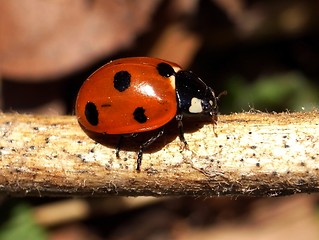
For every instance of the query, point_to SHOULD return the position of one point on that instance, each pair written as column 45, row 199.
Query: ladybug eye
column 207, row 106
column 165, row 70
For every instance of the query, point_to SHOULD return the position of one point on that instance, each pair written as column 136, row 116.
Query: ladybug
column 134, row 95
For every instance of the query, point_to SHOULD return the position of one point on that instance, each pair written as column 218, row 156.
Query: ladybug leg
column 179, row 118
column 120, row 143
column 144, row 145
column 118, row 146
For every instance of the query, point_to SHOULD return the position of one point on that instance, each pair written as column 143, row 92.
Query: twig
column 254, row 154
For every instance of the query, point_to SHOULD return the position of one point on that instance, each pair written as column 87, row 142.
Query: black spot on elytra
column 139, row 115
column 165, row 70
column 122, row 80
column 91, row 113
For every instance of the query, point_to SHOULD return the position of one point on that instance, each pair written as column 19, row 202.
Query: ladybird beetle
column 139, row 94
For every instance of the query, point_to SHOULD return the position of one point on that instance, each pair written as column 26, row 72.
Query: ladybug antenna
column 223, row 93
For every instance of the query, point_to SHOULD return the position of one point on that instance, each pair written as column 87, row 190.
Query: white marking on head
column 196, row 106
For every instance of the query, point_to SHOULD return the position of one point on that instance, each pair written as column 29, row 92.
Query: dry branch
column 254, row 154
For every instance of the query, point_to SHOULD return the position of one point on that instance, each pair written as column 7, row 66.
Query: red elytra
column 113, row 111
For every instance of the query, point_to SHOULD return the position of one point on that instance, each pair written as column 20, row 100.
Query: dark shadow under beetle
column 133, row 142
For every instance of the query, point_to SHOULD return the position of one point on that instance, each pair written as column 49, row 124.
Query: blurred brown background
column 264, row 53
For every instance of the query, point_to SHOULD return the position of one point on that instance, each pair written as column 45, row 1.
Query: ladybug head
column 209, row 103
column 194, row 96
